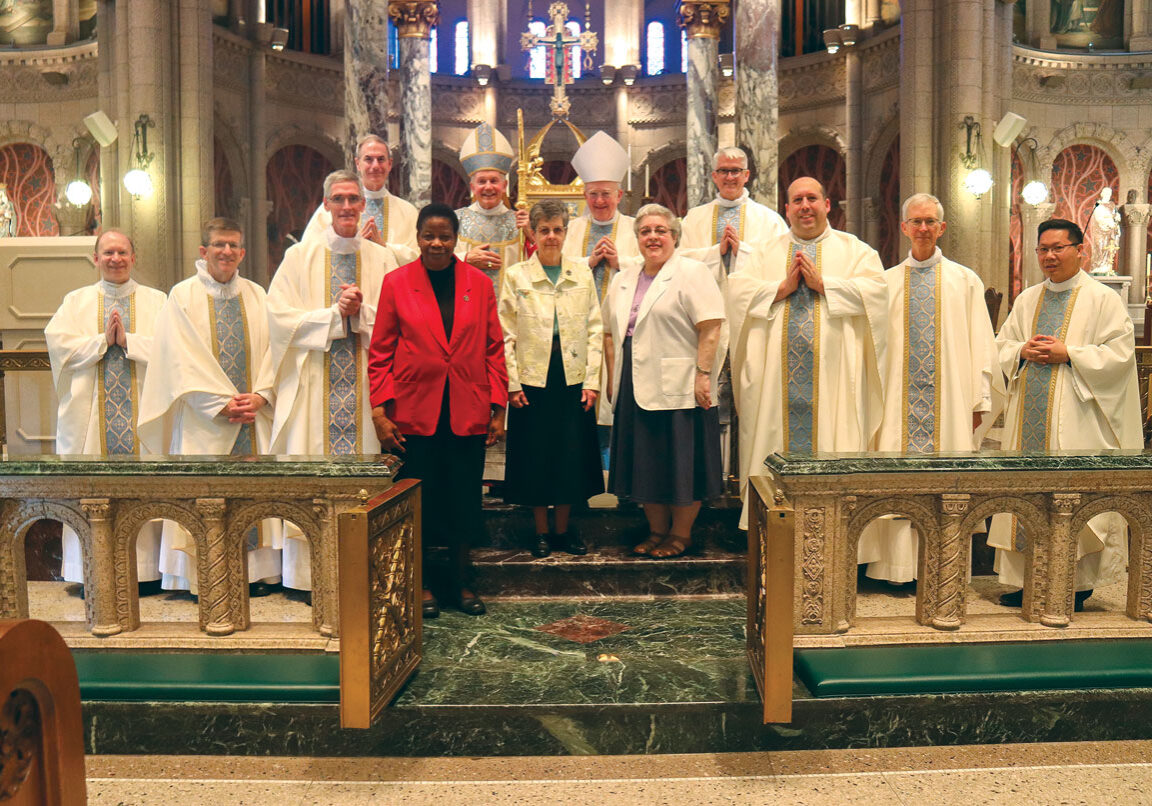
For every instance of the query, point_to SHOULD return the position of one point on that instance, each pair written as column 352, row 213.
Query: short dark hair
column 1075, row 234
column 438, row 210
column 220, row 224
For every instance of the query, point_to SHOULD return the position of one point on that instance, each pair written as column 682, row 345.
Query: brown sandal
column 674, row 545
column 645, row 549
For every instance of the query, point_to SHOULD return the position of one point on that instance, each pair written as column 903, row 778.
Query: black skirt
column 553, row 455
column 662, row 457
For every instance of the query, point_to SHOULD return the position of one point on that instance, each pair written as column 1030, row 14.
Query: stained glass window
column 463, row 57
column 655, row 44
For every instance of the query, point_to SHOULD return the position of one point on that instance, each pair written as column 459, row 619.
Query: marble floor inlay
column 583, row 629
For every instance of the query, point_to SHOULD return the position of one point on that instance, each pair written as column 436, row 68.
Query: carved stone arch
column 1134, row 511
column 234, row 151
column 1034, row 518
column 295, row 134
column 1126, row 155
column 921, row 514
column 449, row 156
column 17, row 518
column 876, row 147
column 245, row 516
column 816, row 134
column 659, row 157
column 25, row 131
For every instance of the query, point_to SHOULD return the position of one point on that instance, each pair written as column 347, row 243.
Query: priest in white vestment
column 211, row 378
column 1068, row 352
column 943, row 386
column 387, row 219
column 807, row 317
column 321, row 310
column 100, row 345
column 602, row 235
column 490, row 231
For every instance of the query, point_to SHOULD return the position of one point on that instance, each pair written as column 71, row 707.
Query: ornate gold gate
column 771, row 526
column 381, row 630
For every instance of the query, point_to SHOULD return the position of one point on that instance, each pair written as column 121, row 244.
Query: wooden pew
column 41, row 732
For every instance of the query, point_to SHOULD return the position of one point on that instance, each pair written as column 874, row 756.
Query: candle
column 647, row 178
column 629, row 167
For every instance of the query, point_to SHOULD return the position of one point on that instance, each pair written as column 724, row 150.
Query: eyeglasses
column 1041, row 251
column 916, row 223
column 233, row 245
column 730, row 171
column 342, row 199
column 657, row 231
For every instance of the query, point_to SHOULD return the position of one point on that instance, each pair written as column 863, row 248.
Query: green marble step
column 956, row 668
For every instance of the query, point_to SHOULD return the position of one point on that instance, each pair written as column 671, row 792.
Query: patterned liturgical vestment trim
column 498, row 231
column 600, row 273
column 377, row 209
column 721, row 218
column 118, row 381
column 921, row 358
column 230, row 343
column 801, row 360
column 1039, row 381
column 342, row 365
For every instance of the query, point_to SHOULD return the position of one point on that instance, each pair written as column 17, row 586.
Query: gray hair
column 341, row 175
column 547, row 210
column 371, row 138
column 922, row 198
column 732, row 153
column 662, row 212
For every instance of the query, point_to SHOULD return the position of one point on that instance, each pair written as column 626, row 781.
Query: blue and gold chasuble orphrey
column 498, row 231
column 721, row 218
column 921, row 431
column 1039, row 380
column 342, row 366
column 600, row 271
column 230, row 344
column 117, row 377
column 378, row 210
column 801, row 360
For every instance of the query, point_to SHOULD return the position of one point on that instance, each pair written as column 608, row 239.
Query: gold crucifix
column 558, row 42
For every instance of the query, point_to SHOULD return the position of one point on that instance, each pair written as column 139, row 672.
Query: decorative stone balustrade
column 830, row 498
column 217, row 499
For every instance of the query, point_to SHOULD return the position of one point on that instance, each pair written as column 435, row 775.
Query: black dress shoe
column 571, row 543
column 1081, row 596
column 430, row 608
column 148, row 588
column 258, row 589
column 472, row 605
column 542, row 547
column 1012, row 599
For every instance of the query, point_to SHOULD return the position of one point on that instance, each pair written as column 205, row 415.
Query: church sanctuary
column 575, row 401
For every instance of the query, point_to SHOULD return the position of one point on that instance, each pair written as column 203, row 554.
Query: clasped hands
column 802, row 268
column 350, row 299
column 242, row 407
column 604, row 252
column 114, row 332
column 1044, row 350
column 392, row 440
column 730, row 240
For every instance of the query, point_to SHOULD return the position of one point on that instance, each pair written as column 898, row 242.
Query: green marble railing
column 106, row 501
column 823, row 464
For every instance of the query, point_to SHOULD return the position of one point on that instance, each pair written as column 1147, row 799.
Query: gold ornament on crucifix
column 557, row 43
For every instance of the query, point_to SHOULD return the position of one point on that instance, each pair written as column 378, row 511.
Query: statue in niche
column 1080, row 24
column 7, row 214
column 1104, row 234
column 1067, row 16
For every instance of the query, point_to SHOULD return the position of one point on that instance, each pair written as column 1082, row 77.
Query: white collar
column 615, row 217
column 214, row 287
column 797, row 239
column 1071, row 282
column 499, row 209
column 722, row 202
column 932, row 260
column 341, row 245
column 382, row 193
column 124, row 289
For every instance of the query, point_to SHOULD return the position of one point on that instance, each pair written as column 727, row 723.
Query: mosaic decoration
column 295, row 176
column 25, row 22
column 1015, row 230
column 92, row 175
column 26, row 169
column 1079, row 173
column 889, row 207
column 823, row 163
column 225, row 201
column 448, row 186
column 669, row 185
column 558, row 172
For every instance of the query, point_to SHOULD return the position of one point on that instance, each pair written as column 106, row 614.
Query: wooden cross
column 558, row 42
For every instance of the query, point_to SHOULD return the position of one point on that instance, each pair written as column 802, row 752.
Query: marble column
column 366, row 98
column 702, row 21
column 65, row 22
column 1038, row 24
column 258, row 206
column 756, row 34
column 1140, row 38
column 870, row 215
column 194, row 131
column 854, row 151
column 1030, row 217
column 414, row 20
column 1135, row 260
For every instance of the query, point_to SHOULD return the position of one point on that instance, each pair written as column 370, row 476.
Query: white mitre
column 601, row 159
column 486, row 149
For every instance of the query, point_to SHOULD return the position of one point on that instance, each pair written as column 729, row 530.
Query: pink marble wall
column 295, row 176
column 1015, row 230
column 225, row 199
column 448, row 186
column 668, row 185
column 1079, row 173
column 890, row 245
column 826, row 165
column 26, row 169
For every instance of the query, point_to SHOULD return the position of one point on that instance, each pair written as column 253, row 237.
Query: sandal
column 645, row 549
column 673, row 546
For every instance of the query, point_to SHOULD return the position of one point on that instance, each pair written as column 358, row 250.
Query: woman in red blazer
column 439, row 388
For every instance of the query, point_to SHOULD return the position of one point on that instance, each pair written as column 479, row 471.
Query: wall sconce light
column 503, row 72
column 849, row 34
column 607, row 73
column 78, row 191
column 727, row 64
column 483, row 74
column 832, row 41
column 279, row 38
column 1035, row 192
column 979, row 181
column 629, row 72
column 262, row 33
column 137, row 181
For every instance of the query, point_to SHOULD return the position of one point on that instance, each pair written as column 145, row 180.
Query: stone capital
column 1136, row 215
column 702, row 18
column 414, row 19
column 1065, row 503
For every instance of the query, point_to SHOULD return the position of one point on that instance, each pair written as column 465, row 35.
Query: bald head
column 807, row 208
